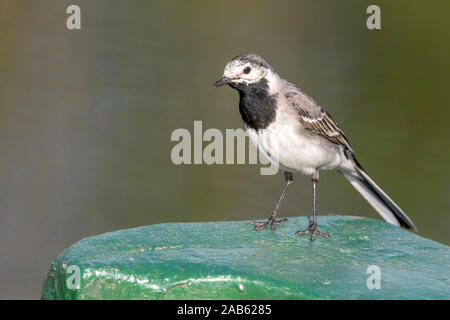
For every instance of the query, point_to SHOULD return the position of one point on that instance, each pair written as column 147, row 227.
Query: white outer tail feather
column 359, row 179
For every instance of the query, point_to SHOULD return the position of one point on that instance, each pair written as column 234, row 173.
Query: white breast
column 287, row 144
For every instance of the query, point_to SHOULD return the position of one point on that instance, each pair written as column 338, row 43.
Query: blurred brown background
column 86, row 116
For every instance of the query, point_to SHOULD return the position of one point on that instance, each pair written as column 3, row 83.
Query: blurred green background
column 86, row 116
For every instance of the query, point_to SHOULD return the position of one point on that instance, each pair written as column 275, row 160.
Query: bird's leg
column 313, row 224
column 272, row 221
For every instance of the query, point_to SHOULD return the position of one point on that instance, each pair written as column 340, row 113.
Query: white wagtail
column 307, row 138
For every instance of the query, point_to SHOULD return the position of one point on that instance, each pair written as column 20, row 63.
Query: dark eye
column 247, row 70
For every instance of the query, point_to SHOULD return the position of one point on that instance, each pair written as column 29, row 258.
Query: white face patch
column 244, row 72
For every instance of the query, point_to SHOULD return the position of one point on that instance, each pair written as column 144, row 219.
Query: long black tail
column 378, row 199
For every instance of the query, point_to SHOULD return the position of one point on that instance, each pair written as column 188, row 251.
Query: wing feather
column 324, row 126
column 314, row 118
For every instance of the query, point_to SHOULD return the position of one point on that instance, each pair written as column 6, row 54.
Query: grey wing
column 313, row 117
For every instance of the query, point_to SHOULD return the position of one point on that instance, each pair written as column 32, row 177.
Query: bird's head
column 244, row 70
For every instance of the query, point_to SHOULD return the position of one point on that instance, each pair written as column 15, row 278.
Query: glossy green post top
column 363, row 259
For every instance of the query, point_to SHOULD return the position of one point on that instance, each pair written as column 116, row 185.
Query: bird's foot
column 313, row 229
column 271, row 222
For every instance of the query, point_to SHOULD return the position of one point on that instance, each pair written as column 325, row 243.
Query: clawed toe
column 313, row 230
column 271, row 222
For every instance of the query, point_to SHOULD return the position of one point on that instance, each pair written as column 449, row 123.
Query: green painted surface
column 229, row 260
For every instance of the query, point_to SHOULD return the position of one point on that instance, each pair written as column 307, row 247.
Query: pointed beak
column 222, row 81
